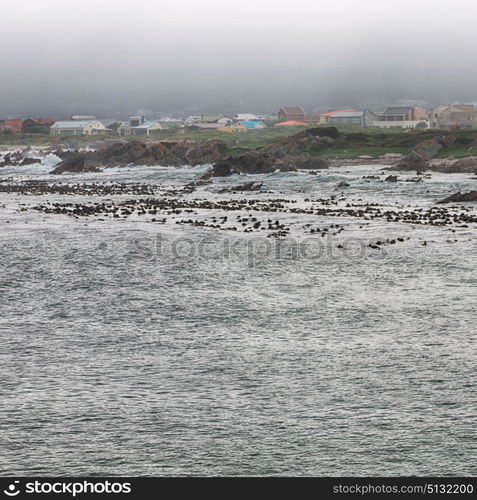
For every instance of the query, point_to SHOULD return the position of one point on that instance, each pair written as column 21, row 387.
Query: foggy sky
column 114, row 57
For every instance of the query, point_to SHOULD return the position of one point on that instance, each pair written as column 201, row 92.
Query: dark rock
column 118, row 154
column 342, row 184
column 460, row 197
column 17, row 159
column 245, row 164
column 429, row 148
column 418, row 158
column 79, row 162
column 29, row 161
column 7, row 161
column 391, row 178
column 463, row 165
column 138, row 153
column 189, row 153
column 248, row 186
column 412, row 161
column 302, row 142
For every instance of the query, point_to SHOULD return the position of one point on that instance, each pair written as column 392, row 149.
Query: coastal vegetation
column 349, row 141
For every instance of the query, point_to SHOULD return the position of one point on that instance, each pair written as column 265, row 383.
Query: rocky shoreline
column 291, row 153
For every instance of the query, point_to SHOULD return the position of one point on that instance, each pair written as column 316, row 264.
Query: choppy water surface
column 126, row 351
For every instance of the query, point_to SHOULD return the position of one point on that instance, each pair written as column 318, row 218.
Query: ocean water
column 136, row 348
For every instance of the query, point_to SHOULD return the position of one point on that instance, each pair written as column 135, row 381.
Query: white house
column 77, row 127
column 146, row 128
column 402, row 116
column 362, row 118
column 245, row 117
column 192, row 119
column 138, row 126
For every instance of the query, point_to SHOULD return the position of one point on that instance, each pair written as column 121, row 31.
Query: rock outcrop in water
column 17, row 159
column 247, row 186
column 455, row 165
column 253, row 163
column 121, row 154
column 418, row 158
column 118, row 154
column 201, row 153
column 301, row 143
column 460, row 197
column 78, row 162
column 412, row 161
column 287, row 154
column 422, row 157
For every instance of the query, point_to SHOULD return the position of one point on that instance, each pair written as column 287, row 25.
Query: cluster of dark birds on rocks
column 170, row 202
column 41, row 187
column 257, row 212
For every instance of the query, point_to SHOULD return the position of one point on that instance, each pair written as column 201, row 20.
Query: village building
column 170, row 121
column 323, row 117
column 361, row 118
column 77, row 127
column 243, row 126
column 252, row 124
column 205, row 126
column 192, row 119
column 242, row 117
column 291, row 113
column 401, row 116
column 10, row 125
column 37, row 125
column 220, row 119
column 137, row 125
column 454, row 116
column 146, row 127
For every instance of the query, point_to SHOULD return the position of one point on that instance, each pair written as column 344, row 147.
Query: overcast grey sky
column 114, row 56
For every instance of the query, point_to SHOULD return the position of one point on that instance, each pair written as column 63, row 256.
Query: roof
column 292, row 110
column 206, row 125
column 71, row 124
column 290, row 123
column 250, row 123
column 347, row 114
column 459, row 108
column 147, row 124
column 245, row 116
column 211, row 118
column 41, row 121
column 397, row 110
column 331, row 113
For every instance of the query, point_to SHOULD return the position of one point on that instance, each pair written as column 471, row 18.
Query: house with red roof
column 36, row 125
column 291, row 123
column 10, row 125
column 291, row 113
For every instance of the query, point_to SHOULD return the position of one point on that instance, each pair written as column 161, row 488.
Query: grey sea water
column 134, row 348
